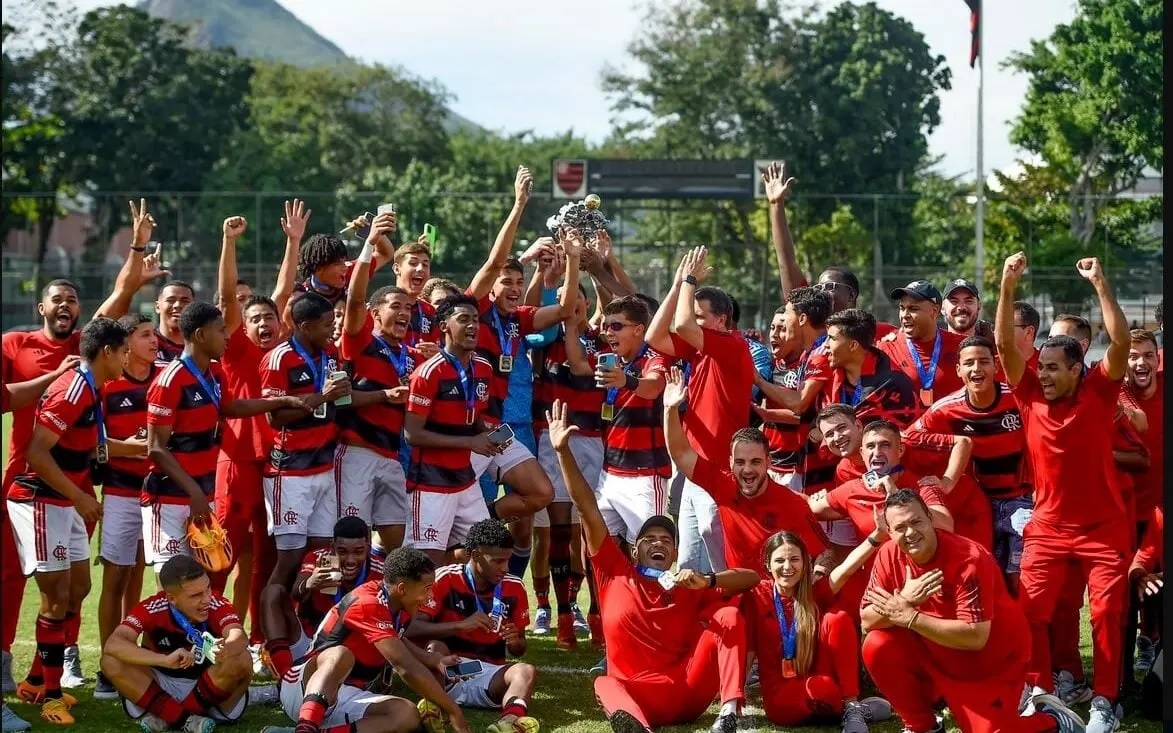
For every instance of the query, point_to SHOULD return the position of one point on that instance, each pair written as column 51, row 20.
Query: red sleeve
column 374, row 267
column 818, row 366
column 484, row 303
column 1148, row 555
column 309, row 563
column 711, row 477
column 609, row 563
column 236, row 348
column 371, row 620
column 932, row 496
column 11, row 347
column 520, row 615
column 422, row 391
column 975, row 592
column 930, row 431
column 525, row 319
column 139, row 620
column 824, row 595
column 683, row 349
column 352, row 346
column 1028, row 388
column 428, row 611
column 838, row 496
column 883, row 575
column 64, row 402
column 221, row 616
column 162, row 402
column 717, row 342
column 813, row 536
column 656, row 364
column 274, row 379
column 227, row 398
column 1103, row 387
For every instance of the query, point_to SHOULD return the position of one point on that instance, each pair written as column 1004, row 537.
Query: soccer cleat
column 210, row 545
column 198, row 724
column 524, row 724
column 595, row 621
column 566, row 637
column 263, row 695
column 600, row 668
column 431, row 717
column 580, row 623
column 7, row 683
column 151, row 723
column 876, row 709
column 35, row 694
column 623, row 722
column 55, row 711
column 1146, row 655
column 1103, row 718
column 11, row 722
column 262, row 664
column 103, row 690
column 542, row 622
column 71, row 674
column 1069, row 690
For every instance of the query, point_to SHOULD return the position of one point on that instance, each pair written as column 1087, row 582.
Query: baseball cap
column 962, row 284
column 658, row 521
column 919, row 290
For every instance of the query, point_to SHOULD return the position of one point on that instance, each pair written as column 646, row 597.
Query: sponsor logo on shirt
column 421, row 400
column 55, row 420
column 159, row 410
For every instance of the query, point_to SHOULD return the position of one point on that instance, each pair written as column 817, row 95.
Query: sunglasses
column 616, row 326
column 829, row 287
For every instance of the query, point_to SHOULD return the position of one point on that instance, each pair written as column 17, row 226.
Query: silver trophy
column 584, row 216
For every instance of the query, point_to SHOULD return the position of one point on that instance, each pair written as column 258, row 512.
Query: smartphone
column 331, row 562
column 386, row 209
column 344, row 400
column 608, row 361
column 430, row 233
column 469, row 668
column 501, row 435
column 365, row 231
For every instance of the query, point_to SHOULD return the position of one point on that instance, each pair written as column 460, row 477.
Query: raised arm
column 482, row 282
column 612, row 265
column 777, row 189
column 684, row 323
column 576, row 355
column 1013, row 362
column 1115, row 324
column 683, row 456
column 138, row 269
column 294, row 222
column 234, row 226
column 550, row 315
column 355, row 316
column 659, row 334
column 594, row 528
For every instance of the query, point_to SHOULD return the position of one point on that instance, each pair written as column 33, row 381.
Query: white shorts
column 626, row 502
column 301, row 647
column 179, row 688
column 299, row 507
column 350, row 707
column 165, row 531
column 840, row 532
column 49, row 538
column 789, row 479
column 474, row 691
column 514, row 454
column 370, row 486
column 439, row 521
column 122, row 530
column 588, row 454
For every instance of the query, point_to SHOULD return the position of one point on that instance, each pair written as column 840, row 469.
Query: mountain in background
column 260, row 29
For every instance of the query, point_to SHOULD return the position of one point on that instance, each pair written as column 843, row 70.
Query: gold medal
column 788, row 670
column 320, row 411
column 926, row 397
column 608, row 411
column 505, row 364
column 470, row 416
column 103, row 453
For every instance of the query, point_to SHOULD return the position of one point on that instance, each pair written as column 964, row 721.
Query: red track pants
column 819, row 695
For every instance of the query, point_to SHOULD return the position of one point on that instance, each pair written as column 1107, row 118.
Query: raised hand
column 560, row 429
column 142, row 223
column 523, row 184
column 153, row 268
column 542, row 247
column 603, row 243
column 234, row 226
column 675, row 390
column 694, row 263
column 1015, row 266
column 381, row 227
column 296, row 218
column 1090, row 269
column 572, row 244
column 777, row 184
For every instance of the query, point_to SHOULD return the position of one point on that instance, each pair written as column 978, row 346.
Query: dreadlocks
column 321, row 250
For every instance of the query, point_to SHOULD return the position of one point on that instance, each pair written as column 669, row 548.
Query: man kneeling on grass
column 479, row 612
column 193, row 667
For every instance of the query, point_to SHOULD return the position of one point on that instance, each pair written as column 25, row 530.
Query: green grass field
column 564, row 701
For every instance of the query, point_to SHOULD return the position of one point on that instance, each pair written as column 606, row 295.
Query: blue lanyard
column 807, row 357
column 649, row 572
column 415, row 333
column 322, row 288
column 857, row 395
column 318, row 371
column 498, row 604
column 613, row 392
column 212, row 390
column 687, row 372
column 194, row 636
column 788, row 630
column 505, row 341
column 927, row 376
column 362, row 578
column 400, row 362
column 99, row 416
column 465, row 381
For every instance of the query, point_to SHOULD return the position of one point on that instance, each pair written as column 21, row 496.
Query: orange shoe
column 210, row 545
column 35, row 694
column 57, row 712
column 566, row 637
column 596, row 623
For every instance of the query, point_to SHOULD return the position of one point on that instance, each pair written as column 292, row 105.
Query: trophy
column 584, row 216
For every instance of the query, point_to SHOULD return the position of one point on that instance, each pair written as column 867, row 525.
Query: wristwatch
column 873, row 542
column 712, row 579
column 690, row 280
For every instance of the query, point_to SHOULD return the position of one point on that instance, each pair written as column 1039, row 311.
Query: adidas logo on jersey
column 126, row 402
column 967, row 429
column 302, row 377
column 197, row 397
column 455, row 391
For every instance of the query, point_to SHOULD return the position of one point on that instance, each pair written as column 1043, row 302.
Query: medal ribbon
column 807, row 357
column 506, row 342
column 317, row 371
column 415, row 332
column 927, row 376
column 789, row 631
column 649, row 572
column 400, row 361
column 857, row 394
column 498, row 604
column 210, row 389
column 195, row 636
column 465, row 381
column 99, row 415
column 613, row 392
column 362, row 578
column 322, row 288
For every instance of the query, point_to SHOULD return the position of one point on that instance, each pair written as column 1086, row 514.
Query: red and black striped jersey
column 168, row 350
column 491, row 346
column 176, row 399
column 882, row 393
column 422, row 326
column 785, row 438
column 67, row 410
column 553, row 380
column 374, row 365
column 437, row 396
column 154, row 620
column 314, row 607
column 900, row 351
column 360, row 620
column 999, row 443
column 453, row 601
column 124, row 404
column 245, row 438
column 633, row 441
column 304, row 447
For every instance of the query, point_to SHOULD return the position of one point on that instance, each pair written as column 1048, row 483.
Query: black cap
column 661, row 521
column 962, row 284
column 920, row 290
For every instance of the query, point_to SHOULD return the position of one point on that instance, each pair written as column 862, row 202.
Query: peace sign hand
column 142, row 223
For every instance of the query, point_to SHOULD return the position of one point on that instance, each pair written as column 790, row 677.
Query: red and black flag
column 975, row 29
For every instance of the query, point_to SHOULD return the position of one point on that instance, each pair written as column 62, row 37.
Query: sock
column 51, row 649
column 575, row 585
column 159, row 703
column 519, row 561
column 560, row 565
column 72, row 625
column 36, row 675
column 515, row 706
column 731, row 707
column 542, row 591
column 208, row 692
column 312, row 713
column 282, row 658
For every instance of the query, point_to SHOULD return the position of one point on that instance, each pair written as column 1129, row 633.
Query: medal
column 789, row 633
column 497, row 611
column 466, row 387
column 318, row 373
column 103, row 453
column 608, row 412
column 788, row 670
column 613, row 392
column 927, row 375
column 398, row 361
column 667, row 581
column 320, row 411
column 926, row 397
column 505, row 364
column 103, row 450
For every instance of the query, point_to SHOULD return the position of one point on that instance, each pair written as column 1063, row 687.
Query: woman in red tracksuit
column 808, row 655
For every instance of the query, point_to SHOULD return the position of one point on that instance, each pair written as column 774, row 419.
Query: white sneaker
column 262, row 695
column 198, row 724
column 1103, row 718
column 1070, row 691
column 1065, row 718
column 151, row 723
column 542, row 622
column 260, row 669
column 13, row 723
column 71, row 675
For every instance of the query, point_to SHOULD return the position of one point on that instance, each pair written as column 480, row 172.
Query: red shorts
column 240, row 499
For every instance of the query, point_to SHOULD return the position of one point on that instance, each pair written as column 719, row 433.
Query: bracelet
column 138, row 249
column 872, row 542
column 712, row 579
column 690, row 280
column 915, row 616
column 632, row 383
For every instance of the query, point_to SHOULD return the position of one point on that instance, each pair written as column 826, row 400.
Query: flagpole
column 980, row 248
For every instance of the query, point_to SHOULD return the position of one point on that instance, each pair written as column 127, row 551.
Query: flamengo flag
column 975, row 29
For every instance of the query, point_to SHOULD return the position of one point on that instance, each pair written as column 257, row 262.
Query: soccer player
column 185, row 410
column 192, row 667
column 290, row 619
column 172, row 300
column 52, row 498
column 721, row 372
column 437, row 289
column 925, row 353
column 1146, row 576
column 673, row 642
column 962, row 309
column 322, row 263
column 447, row 394
column 358, row 639
column 479, row 612
column 752, row 505
column 863, row 376
column 1065, row 414
column 808, row 652
column 413, row 269
column 300, row 492
column 635, row 458
column 371, row 481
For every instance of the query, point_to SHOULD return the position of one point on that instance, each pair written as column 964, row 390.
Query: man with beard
column 925, row 353
column 751, row 505
column 673, row 642
column 1079, row 512
column 962, row 309
column 371, row 481
column 940, row 625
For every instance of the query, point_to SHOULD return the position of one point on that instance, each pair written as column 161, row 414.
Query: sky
column 536, row 64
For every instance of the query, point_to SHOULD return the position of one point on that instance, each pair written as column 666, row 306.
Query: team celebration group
column 917, row 510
